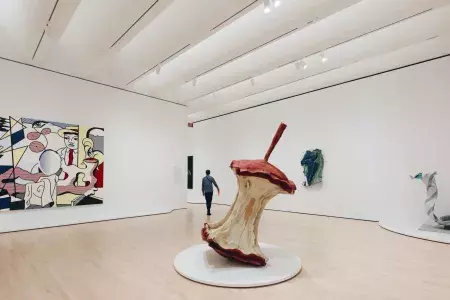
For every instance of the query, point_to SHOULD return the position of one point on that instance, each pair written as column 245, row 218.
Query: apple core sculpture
column 236, row 235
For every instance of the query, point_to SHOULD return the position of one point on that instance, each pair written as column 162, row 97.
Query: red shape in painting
column 46, row 131
column 33, row 135
column 98, row 173
column 37, row 147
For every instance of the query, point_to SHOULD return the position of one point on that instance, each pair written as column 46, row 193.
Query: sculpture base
column 438, row 236
column 202, row 264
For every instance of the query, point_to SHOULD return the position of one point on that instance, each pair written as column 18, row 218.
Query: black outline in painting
column 12, row 156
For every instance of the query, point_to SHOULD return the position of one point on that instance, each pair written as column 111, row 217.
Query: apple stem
column 275, row 140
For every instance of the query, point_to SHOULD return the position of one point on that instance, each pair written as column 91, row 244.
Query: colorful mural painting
column 49, row 164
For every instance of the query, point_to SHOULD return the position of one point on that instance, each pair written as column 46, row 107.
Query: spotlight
column 300, row 64
column 252, row 81
column 194, row 82
column 158, row 69
column 323, row 57
column 277, row 3
column 267, row 6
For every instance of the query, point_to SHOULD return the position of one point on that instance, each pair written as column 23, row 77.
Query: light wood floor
column 132, row 259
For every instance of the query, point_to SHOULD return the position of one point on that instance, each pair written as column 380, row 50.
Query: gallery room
column 224, row 149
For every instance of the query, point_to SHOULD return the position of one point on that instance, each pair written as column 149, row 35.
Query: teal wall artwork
column 312, row 163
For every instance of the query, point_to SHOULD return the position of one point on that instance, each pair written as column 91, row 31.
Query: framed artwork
column 190, row 179
column 47, row 164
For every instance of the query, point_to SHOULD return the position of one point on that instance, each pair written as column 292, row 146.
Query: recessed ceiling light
column 304, row 65
column 267, row 6
column 277, row 3
column 300, row 64
column 314, row 20
column 323, row 57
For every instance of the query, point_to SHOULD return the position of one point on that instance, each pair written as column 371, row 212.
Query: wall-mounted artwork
column 312, row 163
column 435, row 223
column 47, row 164
column 190, row 181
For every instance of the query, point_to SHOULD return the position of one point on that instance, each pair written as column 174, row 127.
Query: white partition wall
column 144, row 144
column 373, row 132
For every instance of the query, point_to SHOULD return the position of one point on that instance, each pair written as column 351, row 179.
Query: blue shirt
column 207, row 184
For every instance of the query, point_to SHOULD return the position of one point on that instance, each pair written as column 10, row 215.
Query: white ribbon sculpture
column 430, row 202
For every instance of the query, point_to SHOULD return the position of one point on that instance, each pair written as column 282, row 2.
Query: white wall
column 144, row 144
column 373, row 132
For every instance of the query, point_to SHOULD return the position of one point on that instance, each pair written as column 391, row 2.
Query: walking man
column 207, row 189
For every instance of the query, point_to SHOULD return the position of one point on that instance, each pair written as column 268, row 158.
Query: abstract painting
column 47, row 164
column 435, row 223
column 312, row 163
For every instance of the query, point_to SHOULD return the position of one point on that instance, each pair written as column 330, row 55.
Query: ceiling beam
column 315, row 53
column 326, row 87
column 233, row 16
column 43, row 32
column 135, row 22
column 245, row 53
column 160, row 63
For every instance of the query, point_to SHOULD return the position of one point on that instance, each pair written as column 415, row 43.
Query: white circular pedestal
column 440, row 237
column 202, row 264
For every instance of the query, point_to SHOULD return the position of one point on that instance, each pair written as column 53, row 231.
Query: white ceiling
column 237, row 56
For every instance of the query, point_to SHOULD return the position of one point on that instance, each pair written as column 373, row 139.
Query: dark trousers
column 208, row 198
